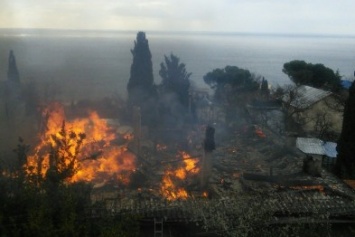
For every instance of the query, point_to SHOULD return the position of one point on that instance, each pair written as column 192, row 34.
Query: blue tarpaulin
column 346, row 84
column 330, row 149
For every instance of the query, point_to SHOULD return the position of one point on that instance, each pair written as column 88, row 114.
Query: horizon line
column 191, row 32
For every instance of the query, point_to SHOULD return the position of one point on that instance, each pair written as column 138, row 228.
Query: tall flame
column 97, row 159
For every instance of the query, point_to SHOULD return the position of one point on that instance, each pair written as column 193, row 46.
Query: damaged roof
column 312, row 146
column 315, row 146
column 305, row 96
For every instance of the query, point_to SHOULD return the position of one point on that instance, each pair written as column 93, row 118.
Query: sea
column 96, row 64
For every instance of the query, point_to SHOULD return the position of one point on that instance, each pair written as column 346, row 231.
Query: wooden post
column 137, row 129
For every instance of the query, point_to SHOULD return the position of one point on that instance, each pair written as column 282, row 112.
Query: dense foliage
column 315, row 75
column 345, row 166
column 231, row 82
column 175, row 78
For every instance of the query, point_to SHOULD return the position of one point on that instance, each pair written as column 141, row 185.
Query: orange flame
column 97, row 159
column 190, row 164
column 170, row 187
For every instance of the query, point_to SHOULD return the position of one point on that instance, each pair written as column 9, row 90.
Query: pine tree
column 12, row 72
column 345, row 166
column 141, row 82
column 175, row 79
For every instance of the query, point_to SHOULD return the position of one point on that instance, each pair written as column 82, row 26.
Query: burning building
column 162, row 183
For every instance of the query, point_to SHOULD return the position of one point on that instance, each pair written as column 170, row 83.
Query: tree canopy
column 175, row 78
column 315, row 75
column 346, row 145
column 231, row 79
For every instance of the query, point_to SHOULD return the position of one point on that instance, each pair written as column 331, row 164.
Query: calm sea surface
column 97, row 64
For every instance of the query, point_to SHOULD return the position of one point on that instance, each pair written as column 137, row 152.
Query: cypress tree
column 141, row 82
column 12, row 72
column 141, row 89
column 13, row 90
column 345, row 165
column 265, row 88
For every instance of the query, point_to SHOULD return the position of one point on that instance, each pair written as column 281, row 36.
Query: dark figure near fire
column 206, row 162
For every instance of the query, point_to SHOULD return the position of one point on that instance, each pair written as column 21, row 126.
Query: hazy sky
column 270, row 16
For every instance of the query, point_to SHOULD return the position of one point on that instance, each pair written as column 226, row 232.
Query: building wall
column 316, row 112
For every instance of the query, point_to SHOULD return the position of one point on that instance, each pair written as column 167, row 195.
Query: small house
column 321, row 151
column 314, row 109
